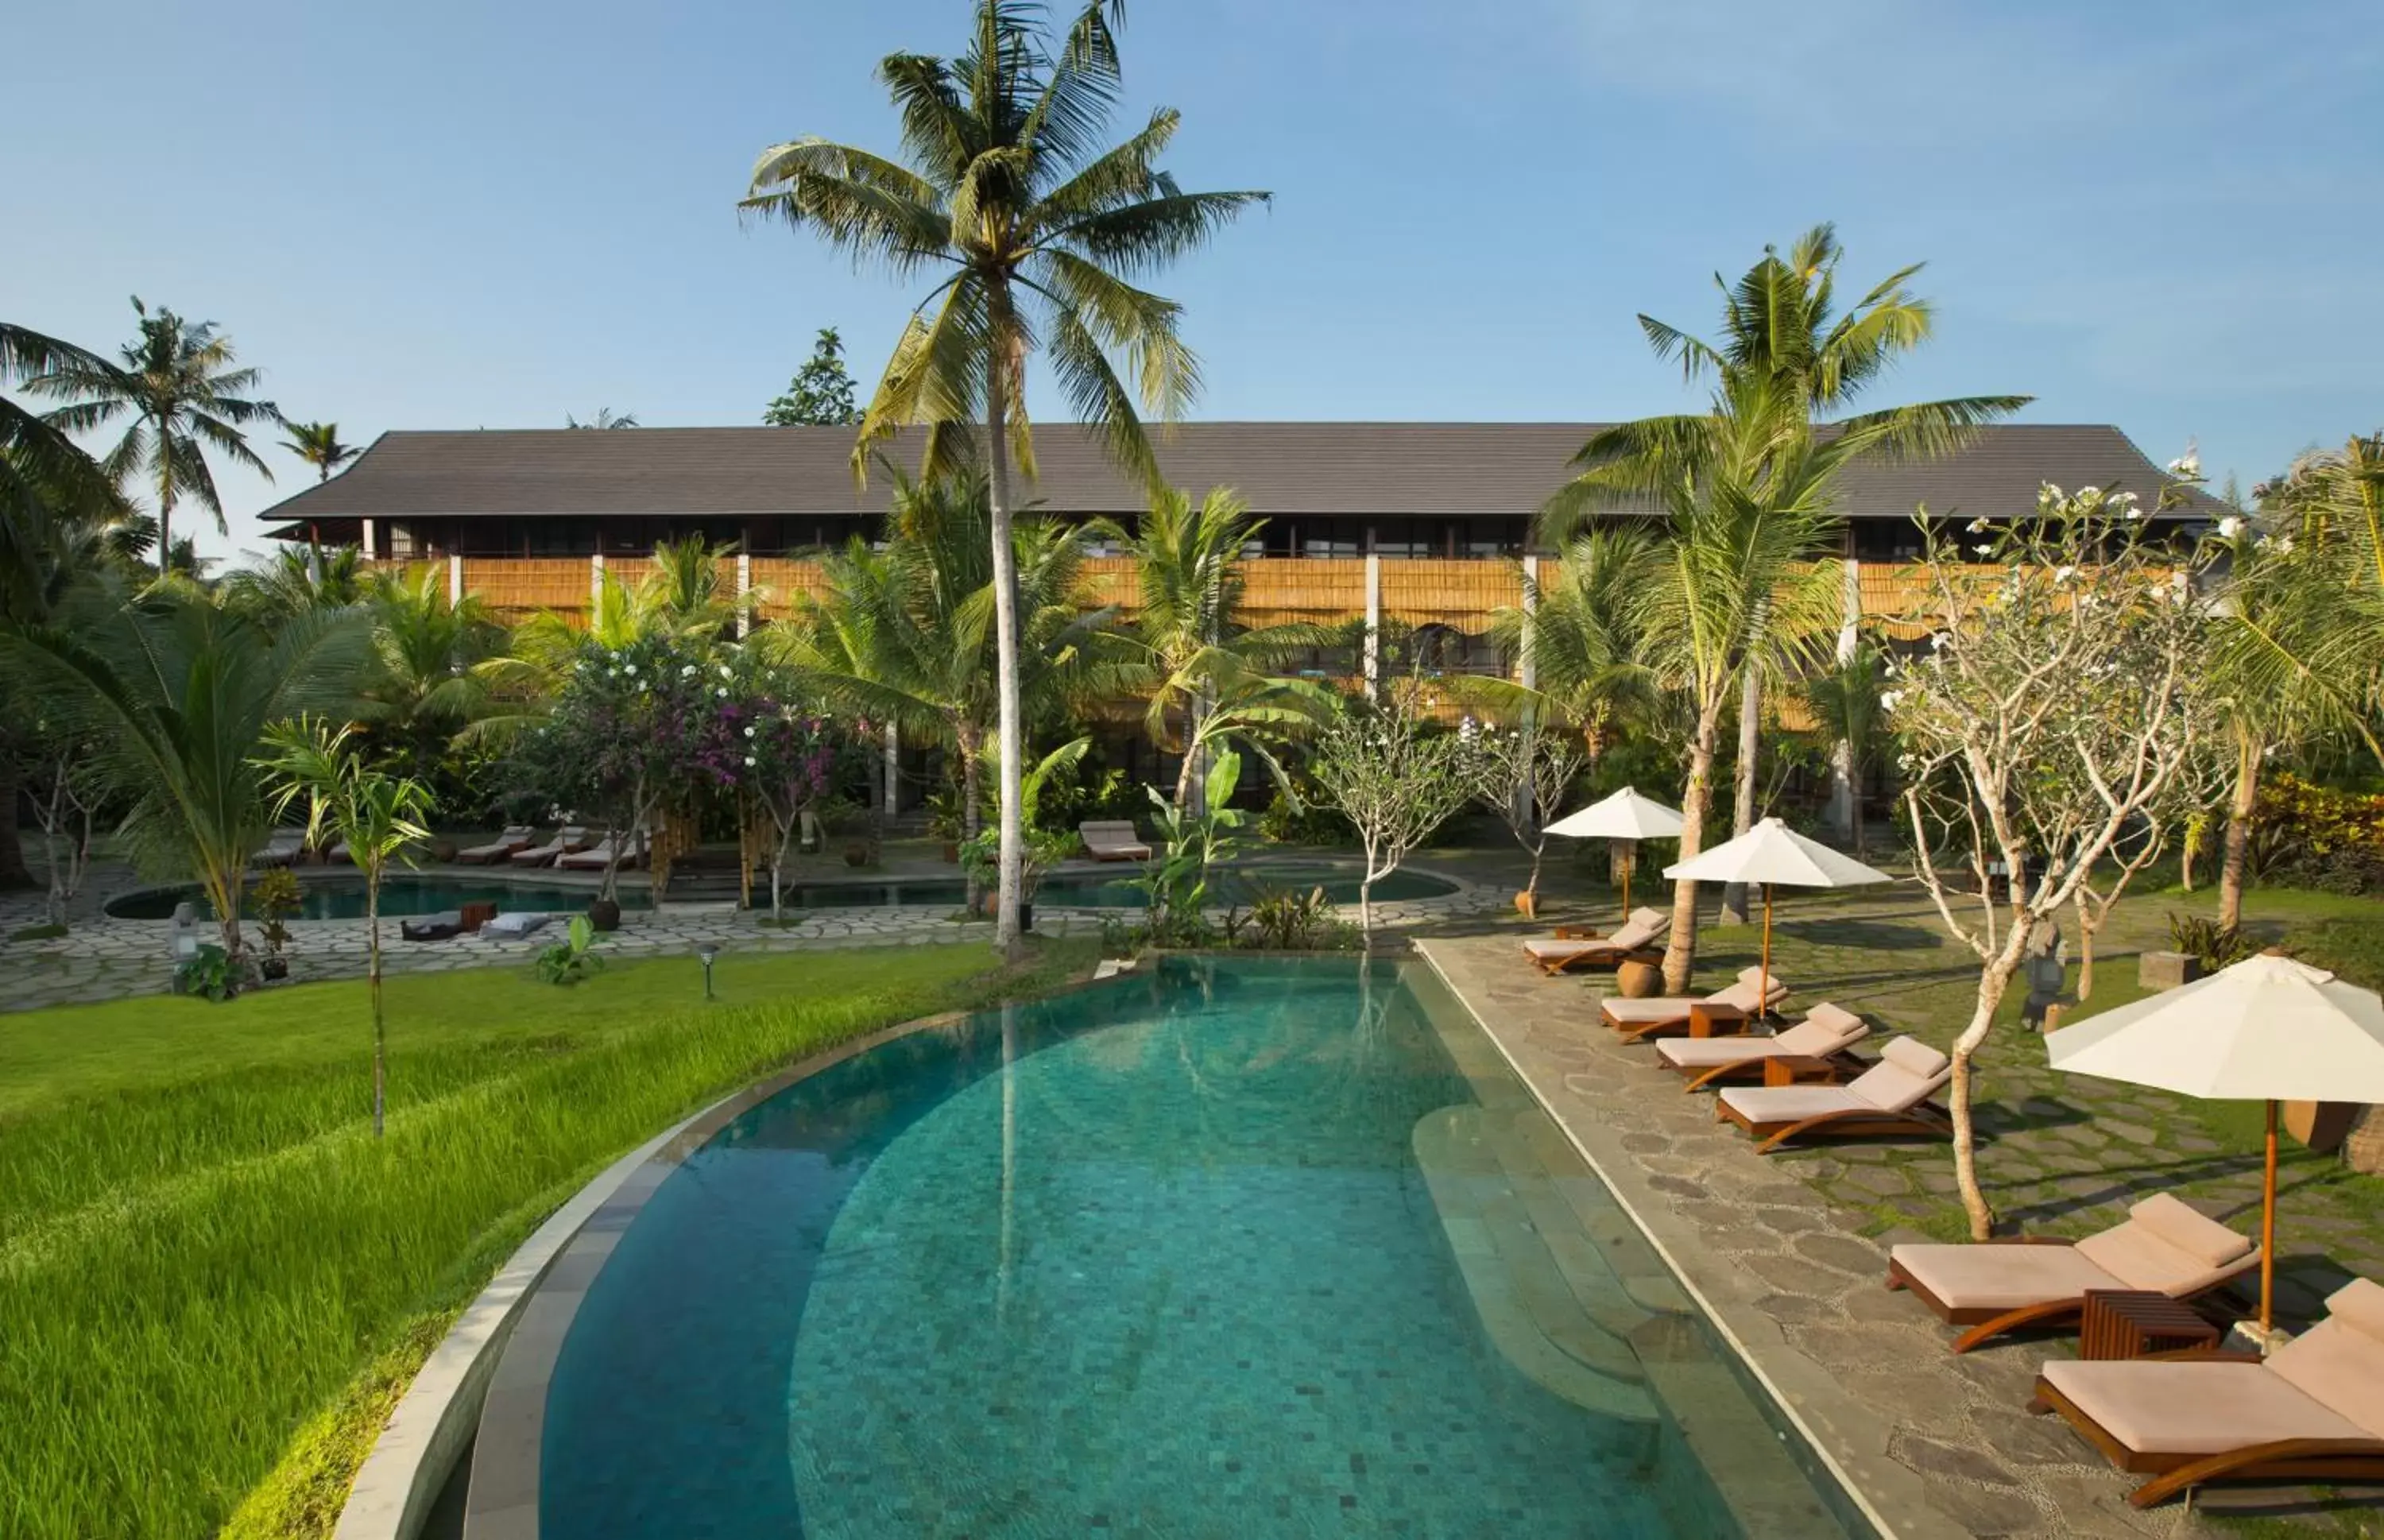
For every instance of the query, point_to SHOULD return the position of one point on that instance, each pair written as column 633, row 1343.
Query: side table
column 1800, row 1069
column 1707, row 1019
column 2130, row 1323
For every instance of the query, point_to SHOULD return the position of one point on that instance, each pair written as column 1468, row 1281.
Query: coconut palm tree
column 2327, row 513
column 294, row 580
column 605, row 418
column 1206, row 673
column 1845, row 702
column 318, row 444
column 906, row 634
column 1578, row 628
column 42, row 470
column 1781, row 323
column 179, row 385
column 177, row 693
column 424, row 683
column 1037, row 231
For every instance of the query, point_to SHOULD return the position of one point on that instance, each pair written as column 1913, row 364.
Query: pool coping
column 503, row 1500
column 1763, row 1368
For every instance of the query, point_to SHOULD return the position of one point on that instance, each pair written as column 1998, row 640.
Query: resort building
column 1422, row 524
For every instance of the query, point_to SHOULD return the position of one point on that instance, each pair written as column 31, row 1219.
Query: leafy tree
column 1524, row 774
column 178, row 384
column 297, row 580
column 1192, row 843
column 177, row 694
column 2055, row 710
column 1579, row 628
column 762, row 740
column 318, row 444
column 1382, row 768
column 1046, row 847
column 605, row 418
column 821, row 394
column 378, row 816
column 424, row 684
column 2329, row 544
column 1036, row 230
column 2264, row 708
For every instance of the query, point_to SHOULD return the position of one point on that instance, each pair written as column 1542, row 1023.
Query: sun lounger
column 1641, row 938
column 1826, row 1031
column 2311, row 1411
column 432, row 928
column 572, row 837
column 1636, row 1019
column 1887, row 1100
column 2162, row 1246
column 596, row 857
column 515, row 839
column 282, row 848
column 512, row 928
column 1113, row 840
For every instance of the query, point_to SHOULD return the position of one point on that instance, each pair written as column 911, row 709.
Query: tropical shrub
column 1288, row 920
column 573, row 958
column 273, row 900
column 2208, row 942
column 1176, row 885
column 211, row 972
column 2306, row 835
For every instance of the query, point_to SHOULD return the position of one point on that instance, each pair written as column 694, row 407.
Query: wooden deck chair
column 1826, row 1031
column 2311, row 1411
column 517, row 837
column 1888, row 1100
column 1640, row 1019
column 1113, row 840
column 1639, row 938
column 572, row 837
column 2163, row 1246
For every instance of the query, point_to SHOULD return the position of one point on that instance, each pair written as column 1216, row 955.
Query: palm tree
column 1845, row 702
column 423, row 684
column 40, row 467
column 2329, row 652
column 1207, row 674
column 904, row 634
column 1036, row 230
column 605, row 418
column 375, row 815
column 1578, row 628
column 178, row 693
column 180, row 387
column 1780, row 322
column 318, row 444
column 296, row 581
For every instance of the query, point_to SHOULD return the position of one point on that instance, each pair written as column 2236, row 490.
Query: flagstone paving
column 1791, row 1250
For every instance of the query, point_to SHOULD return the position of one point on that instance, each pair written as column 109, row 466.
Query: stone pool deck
column 1936, row 1444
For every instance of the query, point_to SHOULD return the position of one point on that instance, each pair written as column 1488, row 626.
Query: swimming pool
column 1235, row 1247
column 1101, row 890
column 339, row 899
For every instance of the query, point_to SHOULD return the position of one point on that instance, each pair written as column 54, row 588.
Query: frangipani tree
column 776, row 749
column 378, row 816
column 1523, row 774
column 2053, row 712
column 1383, row 767
column 1035, row 231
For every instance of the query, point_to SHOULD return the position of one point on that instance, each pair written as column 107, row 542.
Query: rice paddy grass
column 212, row 1278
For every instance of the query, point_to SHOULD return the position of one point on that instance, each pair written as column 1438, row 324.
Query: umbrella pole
column 1630, row 859
column 1763, row 990
column 2268, row 1229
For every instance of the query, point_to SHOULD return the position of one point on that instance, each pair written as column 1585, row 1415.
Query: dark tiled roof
column 1285, row 468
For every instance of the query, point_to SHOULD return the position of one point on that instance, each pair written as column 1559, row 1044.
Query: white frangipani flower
column 2229, row 527
column 2063, row 575
column 1976, row 526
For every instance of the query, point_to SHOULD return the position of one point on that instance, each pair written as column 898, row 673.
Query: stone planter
column 272, row 966
column 2167, row 970
column 2363, row 1150
column 856, row 855
column 2322, row 1126
column 604, row 913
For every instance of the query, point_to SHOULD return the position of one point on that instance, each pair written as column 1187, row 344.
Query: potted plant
column 604, row 913
column 275, row 898
column 944, row 820
column 1045, row 848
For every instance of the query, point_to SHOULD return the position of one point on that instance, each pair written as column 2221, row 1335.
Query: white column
column 744, row 587
column 1373, row 623
column 455, row 579
column 372, row 546
column 595, row 580
column 1841, row 811
column 893, row 770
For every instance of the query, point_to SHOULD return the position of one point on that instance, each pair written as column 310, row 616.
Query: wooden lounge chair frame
column 1926, row 1119
column 1987, row 1323
column 2281, row 1459
column 1751, row 1068
column 1590, row 959
column 1639, row 1032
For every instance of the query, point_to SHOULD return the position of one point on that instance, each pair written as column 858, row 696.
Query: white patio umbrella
column 1625, row 816
column 2267, row 1029
column 1772, row 853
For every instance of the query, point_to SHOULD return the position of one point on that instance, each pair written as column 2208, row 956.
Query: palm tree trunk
column 1681, row 951
column 372, row 972
column 1005, row 638
column 2239, row 830
column 1741, row 818
column 972, row 802
column 13, row 872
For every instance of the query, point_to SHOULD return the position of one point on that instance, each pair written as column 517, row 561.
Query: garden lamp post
column 704, row 954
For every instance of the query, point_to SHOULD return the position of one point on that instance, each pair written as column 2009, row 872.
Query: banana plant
column 1177, row 884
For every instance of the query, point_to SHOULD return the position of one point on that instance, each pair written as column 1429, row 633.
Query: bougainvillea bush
column 776, row 750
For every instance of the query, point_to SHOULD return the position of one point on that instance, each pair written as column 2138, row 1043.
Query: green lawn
column 213, row 1280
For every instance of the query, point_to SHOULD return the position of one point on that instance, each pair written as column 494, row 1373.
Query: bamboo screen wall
column 518, row 588
column 1318, row 590
column 1458, row 593
column 782, row 583
column 1111, row 581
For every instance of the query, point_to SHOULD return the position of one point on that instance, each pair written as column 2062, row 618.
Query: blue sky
column 455, row 215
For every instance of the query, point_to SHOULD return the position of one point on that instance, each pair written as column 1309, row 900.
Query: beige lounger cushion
column 2185, row 1408
column 1908, row 1072
column 2340, row 1362
column 1816, row 1037
column 2165, row 1245
column 1794, row 1103
column 1541, row 947
column 2001, row 1277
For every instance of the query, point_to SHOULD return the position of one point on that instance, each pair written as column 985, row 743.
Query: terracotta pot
column 1527, row 905
column 273, row 965
column 604, row 913
column 856, row 855
column 2322, row 1126
column 952, row 851
column 1639, row 980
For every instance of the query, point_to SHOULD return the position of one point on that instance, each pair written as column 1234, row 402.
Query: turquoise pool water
column 399, row 896
column 1213, row 1253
